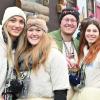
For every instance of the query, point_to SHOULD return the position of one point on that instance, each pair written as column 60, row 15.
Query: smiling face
column 34, row 35
column 91, row 34
column 15, row 26
column 68, row 24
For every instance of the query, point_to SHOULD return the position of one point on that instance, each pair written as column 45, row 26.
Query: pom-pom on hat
column 69, row 10
column 12, row 11
column 37, row 20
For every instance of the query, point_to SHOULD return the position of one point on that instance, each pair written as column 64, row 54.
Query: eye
column 67, row 20
column 21, row 21
column 12, row 20
column 72, row 20
column 88, row 30
column 94, row 30
column 30, row 30
column 38, row 30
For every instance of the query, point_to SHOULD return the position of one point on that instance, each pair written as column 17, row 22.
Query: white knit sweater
column 3, row 62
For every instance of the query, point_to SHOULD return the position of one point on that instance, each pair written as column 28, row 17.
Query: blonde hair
column 10, row 56
column 9, row 48
column 38, row 54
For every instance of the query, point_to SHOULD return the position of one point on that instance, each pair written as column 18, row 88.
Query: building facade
column 52, row 8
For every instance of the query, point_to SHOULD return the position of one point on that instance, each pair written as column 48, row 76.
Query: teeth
column 33, row 38
column 92, row 37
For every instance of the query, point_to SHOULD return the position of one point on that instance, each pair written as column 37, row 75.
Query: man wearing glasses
column 68, row 20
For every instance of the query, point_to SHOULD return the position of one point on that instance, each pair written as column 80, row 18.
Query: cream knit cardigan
column 3, row 62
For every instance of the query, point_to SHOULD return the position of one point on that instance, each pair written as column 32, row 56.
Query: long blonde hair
column 10, row 56
column 38, row 54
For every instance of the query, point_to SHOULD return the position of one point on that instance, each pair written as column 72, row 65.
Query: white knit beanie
column 12, row 11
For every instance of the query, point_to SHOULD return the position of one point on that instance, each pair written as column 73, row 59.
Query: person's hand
column 72, row 65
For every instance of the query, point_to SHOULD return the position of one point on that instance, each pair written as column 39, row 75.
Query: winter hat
column 12, row 11
column 69, row 10
column 37, row 21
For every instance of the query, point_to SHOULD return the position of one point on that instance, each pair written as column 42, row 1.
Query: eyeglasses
column 71, row 20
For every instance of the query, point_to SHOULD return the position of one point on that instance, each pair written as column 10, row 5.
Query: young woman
column 89, row 59
column 12, row 28
column 40, row 62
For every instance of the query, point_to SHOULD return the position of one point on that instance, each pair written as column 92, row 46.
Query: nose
column 91, row 32
column 17, row 24
column 34, row 32
column 69, row 22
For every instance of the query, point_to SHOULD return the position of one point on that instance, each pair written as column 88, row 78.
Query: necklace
column 71, row 57
column 69, row 50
